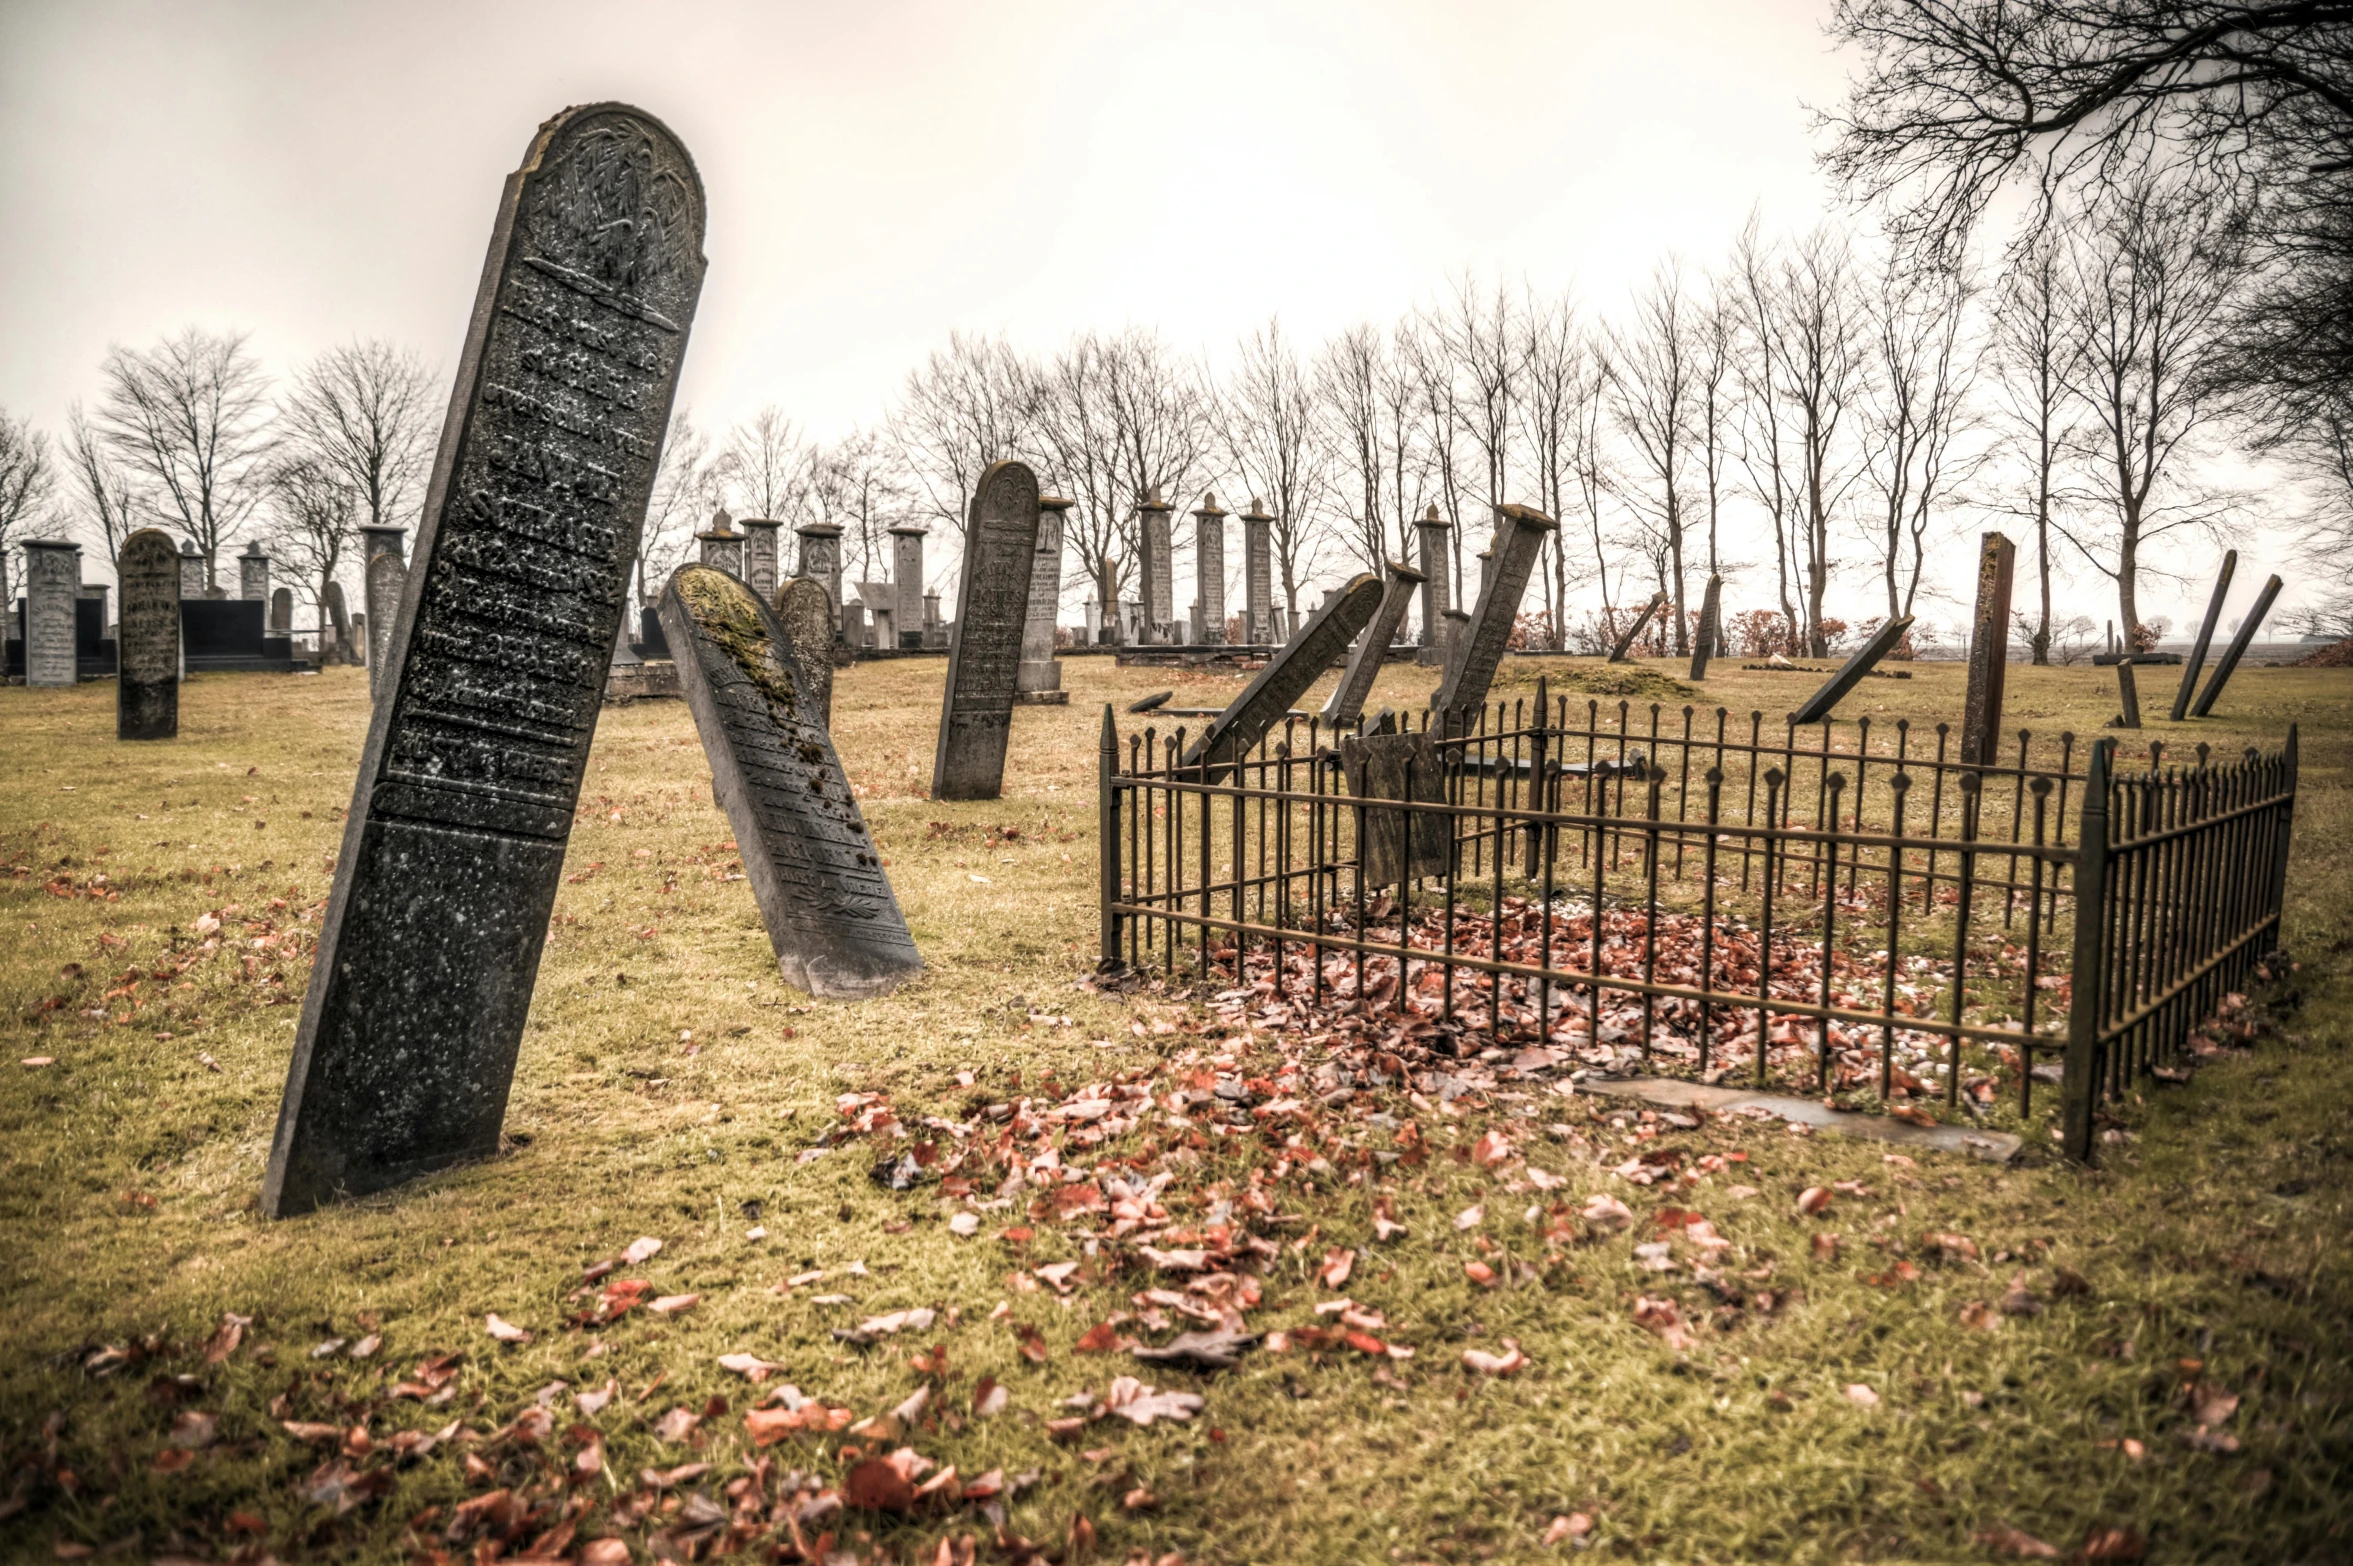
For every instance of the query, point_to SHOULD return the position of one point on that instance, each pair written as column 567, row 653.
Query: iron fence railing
column 1846, row 909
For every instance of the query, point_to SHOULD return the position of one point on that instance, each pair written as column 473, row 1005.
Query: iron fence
column 1846, row 909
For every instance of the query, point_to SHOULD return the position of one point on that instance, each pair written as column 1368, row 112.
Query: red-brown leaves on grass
column 1813, row 1201
column 1338, row 1264
column 1102, row 1338
column 876, row 1485
column 2006, row 1540
column 2113, row 1544
column 1663, row 1317
column 226, row 1337
column 1502, row 1364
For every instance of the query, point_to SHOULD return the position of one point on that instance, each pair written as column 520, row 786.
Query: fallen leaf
column 749, row 1366
column 1139, row 1404
column 1813, row 1200
column 1102, row 1338
column 964, row 1225
column 1338, row 1264
column 1219, row 1350
column 1481, row 1274
column 1502, row 1364
column 1662, row 1317
column 1606, row 1214
column 2113, row 1544
column 1860, row 1395
column 226, row 1337
column 1491, row 1149
column 1470, row 1217
column 505, row 1332
column 877, row 1486
column 641, row 1250
column 672, row 1304
column 989, row 1398
column 1574, row 1526
column 2014, row 1541
column 1980, row 1315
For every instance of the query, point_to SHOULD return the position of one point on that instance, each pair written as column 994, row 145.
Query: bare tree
column 1818, row 365
column 1654, row 402
column 1561, row 376
column 1765, row 445
column 364, row 412
column 970, row 404
column 1123, row 420
column 1715, row 350
column 1348, row 375
column 192, row 414
column 761, row 461
column 1272, row 430
column 314, row 520
column 1479, row 332
column 105, row 498
column 2149, row 286
column 1921, row 374
column 2033, row 356
column 27, row 476
column 858, row 483
column 687, row 488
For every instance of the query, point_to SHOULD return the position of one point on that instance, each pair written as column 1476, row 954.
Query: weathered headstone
column 338, row 628
column 1625, row 643
column 359, row 640
column 466, row 791
column 2197, row 658
column 813, row 867
column 1989, row 653
column 992, row 606
column 1397, row 845
column 1159, row 572
column 821, row 557
column 722, row 545
column 147, row 690
column 53, row 579
column 1264, row 702
column 2237, row 649
column 1372, row 648
column 804, row 610
column 1209, row 571
column 1850, row 673
column 1711, row 627
column 281, row 611
column 1520, row 533
column 759, row 555
column 2128, row 692
column 1258, row 576
column 387, row 576
column 1431, row 530
column 1039, row 678
column 907, row 584
column 191, row 570
column 253, row 573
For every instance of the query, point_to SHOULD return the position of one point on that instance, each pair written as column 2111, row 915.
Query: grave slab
column 984, row 659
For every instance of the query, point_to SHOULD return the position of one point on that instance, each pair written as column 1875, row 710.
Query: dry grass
column 2214, row 1236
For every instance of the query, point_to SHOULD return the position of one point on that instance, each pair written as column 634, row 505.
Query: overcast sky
column 881, row 174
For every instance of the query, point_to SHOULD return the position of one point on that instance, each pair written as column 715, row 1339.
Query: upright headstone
column 2128, row 691
column 1040, row 675
column 147, row 692
column 253, row 573
column 1989, row 653
column 1159, row 585
column 387, row 576
column 281, row 611
column 992, row 606
column 465, row 797
column 1094, row 622
column 813, row 867
column 821, row 557
column 1430, row 530
column 1209, row 571
column 759, row 555
column 625, row 644
column 1519, row 533
column 1397, row 845
column 804, row 610
column 53, row 580
column 1711, row 626
column 2197, row 658
column 1850, row 674
column 2237, row 649
column 1346, row 702
column 338, row 628
column 722, row 545
column 907, row 584
column 1258, row 576
column 1633, row 633
column 359, row 640
column 191, row 570
column 1321, row 642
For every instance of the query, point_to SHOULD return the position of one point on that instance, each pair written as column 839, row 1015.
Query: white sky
column 880, row 174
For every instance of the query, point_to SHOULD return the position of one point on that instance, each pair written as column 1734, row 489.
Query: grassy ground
column 2065, row 1375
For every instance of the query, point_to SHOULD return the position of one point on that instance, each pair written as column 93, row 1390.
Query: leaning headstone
column 1431, row 530
column 387, row 576
column 339, row 624
column 281, row 611
column 2197, row 658
column 147, row 692
column 1850, row 674
column 813, row 867
column 1711, row 627
column 992, row 606
column 1519, row 534
column 1397, row 845
column 53, row 579
column 1039, row 679
column 1989, row 653
column 466, row 792
column 1267, row 699
column 1159, row 572
column 359, row 641
column 1625, row 643
column 1346, row 703
column 2128, row 691
column 2237, row 649
column 378, row 539
column 804, row 609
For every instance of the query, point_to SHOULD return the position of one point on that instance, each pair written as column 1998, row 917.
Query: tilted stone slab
column 1625, row 643
column 2197, row 658
column 1711, row 627
column 387, row 578
column 804, row 611
column 147, row 647
column 813, row 867
column 984, row 660
column 1267, row 699
column 1519, row 534
column 467, row 787
column 1850, row 674
column 1372, row 648
column 1989, row 653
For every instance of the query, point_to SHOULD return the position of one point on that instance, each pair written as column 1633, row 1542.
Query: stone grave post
column 1159, row 584
column 1711, row 624
column 1039, row 679
column 454, row 843
column 2197, row 657
column 821, row 558
column 759, row 555
column 191, row 570
column 832, row 920
column 1850, row 674
column 53, row 581
column 907, row 584
column 1209, row 571
column 1346, row 703
column 1989, row 653
column 1520, row 533
column 253, row 573
column 281, row 611
column 1094, row 622
column 1258, row 576
column 721, row 545
column 1235, row 732
column 2237, row 649
column 387, row 577
column 2128, row 692
column 147, row 690
column 1430, row 530
column 992, row 602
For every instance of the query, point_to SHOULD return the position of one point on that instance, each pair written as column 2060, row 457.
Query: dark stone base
column 145, row 711
column 1041, row 698
column 286, row 665
column 655, row 679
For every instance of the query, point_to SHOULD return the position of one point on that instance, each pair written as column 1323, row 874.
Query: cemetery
column 646, row 1032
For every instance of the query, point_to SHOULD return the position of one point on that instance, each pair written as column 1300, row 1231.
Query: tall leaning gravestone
column 455, row 841
column 147, row 689
column 814, row 869
column 992, row 611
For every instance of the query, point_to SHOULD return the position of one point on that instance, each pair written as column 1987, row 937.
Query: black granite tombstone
column 813, row 867
column 466, row 791
column 147, row 692
column 984, row 660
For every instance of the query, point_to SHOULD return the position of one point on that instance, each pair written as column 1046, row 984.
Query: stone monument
column 1209, row 572
column 338, row 630
column 1039, row 679
column 387, row 576
column 1989, row 653
column 814, row 869
column 1519, row 533
column 1258, row 576
column 53, row 580
column 281, row 611
column 147, row 692
column 1325, row 638
column 821, row 558
column 1625, row 644
column 1711, row 627
column 806, row 615
column 1850, row 674
column 722, row 545
column 2237, row 649
column 191, row 570
column 907, row 584
column 253, row 573
column 1158, row 621
column 1430, row 530
column 1346, row 703
column 2197, row 658
column 454, row 843
column 759, row 555
column 992, row 603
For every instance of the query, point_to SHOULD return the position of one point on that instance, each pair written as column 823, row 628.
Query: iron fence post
column 2287, row 825
column 1107, row 833
column 2080, row 1089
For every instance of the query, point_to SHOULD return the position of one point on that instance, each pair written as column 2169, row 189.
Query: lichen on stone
column 730, row 616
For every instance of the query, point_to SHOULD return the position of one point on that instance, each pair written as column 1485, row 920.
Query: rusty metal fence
column 1843, row 909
